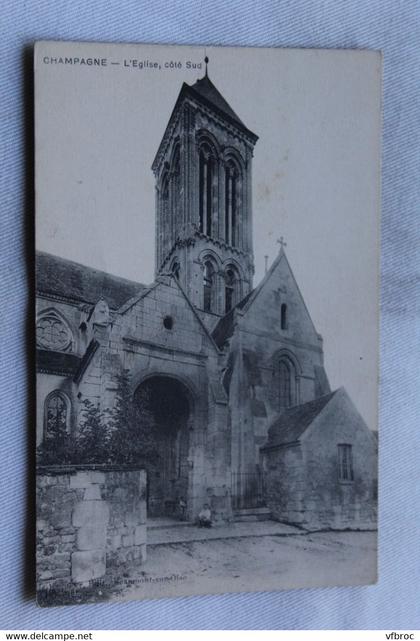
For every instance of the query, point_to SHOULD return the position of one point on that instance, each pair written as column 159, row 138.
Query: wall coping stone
column 45, row 470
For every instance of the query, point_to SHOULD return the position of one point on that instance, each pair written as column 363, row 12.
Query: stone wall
column 303, row 482
column 329, row 501
column 89, row 522
column 285, row 484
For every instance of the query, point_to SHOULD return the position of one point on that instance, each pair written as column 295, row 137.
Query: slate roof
column 70, row 280
column 293, row 422
column 205, row 92
column 209, row 92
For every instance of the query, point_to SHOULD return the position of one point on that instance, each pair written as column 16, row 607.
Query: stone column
column 158, row 239
column 248, row 206
column 221, row 205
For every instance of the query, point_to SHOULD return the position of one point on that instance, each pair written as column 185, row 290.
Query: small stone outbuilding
column 320, row 461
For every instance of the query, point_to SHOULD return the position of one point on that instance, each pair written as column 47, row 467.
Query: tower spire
column 206, row 60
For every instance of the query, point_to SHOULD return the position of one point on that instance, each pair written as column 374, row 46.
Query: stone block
column 87, row 512
column 60, row 574
column 115, row 541
column 140, row 535
column 45, row 576
column 142, row 557
column 91, row 536
column 142, row 513
column 87, row 565
column 67, row 538
column 60, row 512
column 80, row 479
column 128, row 540
column 93, row 492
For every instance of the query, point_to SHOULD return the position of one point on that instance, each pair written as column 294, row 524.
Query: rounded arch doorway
column 166, row 405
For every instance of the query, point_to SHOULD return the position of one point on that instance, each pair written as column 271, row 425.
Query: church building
column 245, row 417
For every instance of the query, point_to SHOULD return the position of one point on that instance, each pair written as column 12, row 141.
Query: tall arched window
column 283, row 316
column 285, row 385
column 57, row 414
column 208, row 285
column 208, row 187
column 231, row 203
column 229, row 289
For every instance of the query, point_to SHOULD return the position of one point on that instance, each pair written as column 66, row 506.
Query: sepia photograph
column 207, row 265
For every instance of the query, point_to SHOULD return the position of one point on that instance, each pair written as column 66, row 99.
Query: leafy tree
column 92, row 441
column 131, row 439
column 121, row 435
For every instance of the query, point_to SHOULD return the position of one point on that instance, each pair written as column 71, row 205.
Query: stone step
column 164, row 523
column 252, row 514
column 164, row 536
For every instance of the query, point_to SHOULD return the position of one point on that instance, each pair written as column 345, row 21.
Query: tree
column 131, row 424
column 121, row 435
column 92, row 441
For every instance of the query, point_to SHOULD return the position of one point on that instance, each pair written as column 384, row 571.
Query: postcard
column 207, row 251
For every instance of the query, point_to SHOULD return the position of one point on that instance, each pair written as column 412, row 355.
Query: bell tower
column 203, row 172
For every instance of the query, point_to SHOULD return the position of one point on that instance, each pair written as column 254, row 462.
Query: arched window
column 283, row 316
column 231, row 203
column 284, row 383
column 52, row 332
column 57, row 414
column 208, row 187
column 232, row 288
column 208, row 285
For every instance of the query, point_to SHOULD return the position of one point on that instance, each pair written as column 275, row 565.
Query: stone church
column 245, row 417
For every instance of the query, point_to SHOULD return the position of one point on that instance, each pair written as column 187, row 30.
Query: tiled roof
column 294, row 421
column 64, row 278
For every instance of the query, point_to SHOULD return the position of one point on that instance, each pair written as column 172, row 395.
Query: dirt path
column 257, row 563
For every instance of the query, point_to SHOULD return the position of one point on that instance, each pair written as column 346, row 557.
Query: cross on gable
column 281, row 242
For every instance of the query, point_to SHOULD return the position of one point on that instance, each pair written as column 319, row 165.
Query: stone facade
column 220, row 359
column 89, row 522
column 305, row 485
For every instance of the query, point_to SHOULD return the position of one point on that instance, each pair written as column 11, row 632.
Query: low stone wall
column 89, row 522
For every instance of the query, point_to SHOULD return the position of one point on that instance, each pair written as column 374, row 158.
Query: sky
column 316, row 171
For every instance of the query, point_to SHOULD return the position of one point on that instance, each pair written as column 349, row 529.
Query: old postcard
column 206, row 319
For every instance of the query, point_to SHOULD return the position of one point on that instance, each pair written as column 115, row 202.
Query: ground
column 285, row 558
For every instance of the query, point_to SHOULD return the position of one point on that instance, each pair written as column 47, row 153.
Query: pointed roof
column 210, row 93
column 294, row 421
column 255, row 292
column 161, row 279
column 224, row 328
column 205, row 92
